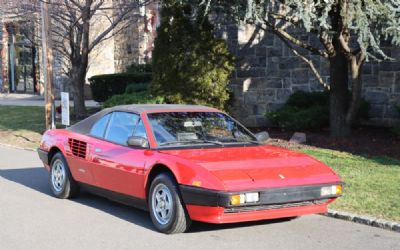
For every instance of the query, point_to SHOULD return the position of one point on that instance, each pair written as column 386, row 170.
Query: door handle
column 97, row 156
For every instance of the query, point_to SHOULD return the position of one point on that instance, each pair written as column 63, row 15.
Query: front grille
column 272, row 206
column 78, row 148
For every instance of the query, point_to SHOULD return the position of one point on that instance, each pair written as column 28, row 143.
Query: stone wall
column 268, row 73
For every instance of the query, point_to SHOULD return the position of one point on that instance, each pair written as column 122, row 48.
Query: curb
column 366, row 220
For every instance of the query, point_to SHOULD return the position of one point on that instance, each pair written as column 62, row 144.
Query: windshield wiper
column 254, row 142
column 191, row 141
column 247, row 141
column 213, row 142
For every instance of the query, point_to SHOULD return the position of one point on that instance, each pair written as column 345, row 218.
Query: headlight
column 331, row 190
column 239, row 199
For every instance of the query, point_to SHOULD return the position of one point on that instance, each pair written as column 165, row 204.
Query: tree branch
column 310, row 64
column 286, row 36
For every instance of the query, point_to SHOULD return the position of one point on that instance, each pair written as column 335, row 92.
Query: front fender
column 185, row 172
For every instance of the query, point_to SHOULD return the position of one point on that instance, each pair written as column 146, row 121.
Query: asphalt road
column 30, row 218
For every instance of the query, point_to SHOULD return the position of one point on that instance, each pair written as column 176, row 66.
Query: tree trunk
column 356, row 87
column 339, row 128
column 78, row 87
column 80, row 64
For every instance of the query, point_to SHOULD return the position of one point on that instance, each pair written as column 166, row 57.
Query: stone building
column 134, row 45
column 131, row 45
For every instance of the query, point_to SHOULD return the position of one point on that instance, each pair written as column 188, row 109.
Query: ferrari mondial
column 184, row 163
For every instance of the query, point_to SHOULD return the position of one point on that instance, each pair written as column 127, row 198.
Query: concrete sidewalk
column 13, row 99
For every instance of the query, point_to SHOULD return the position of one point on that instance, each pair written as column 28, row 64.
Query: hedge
column 308, row 110
column 105, row 86
column 136, row 87
column 139, row 68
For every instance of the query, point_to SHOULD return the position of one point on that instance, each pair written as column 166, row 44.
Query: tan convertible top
column 84, row 126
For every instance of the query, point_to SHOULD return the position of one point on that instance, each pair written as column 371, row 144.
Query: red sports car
column 185, row 163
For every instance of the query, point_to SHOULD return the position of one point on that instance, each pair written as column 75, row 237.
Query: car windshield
column 190, row 128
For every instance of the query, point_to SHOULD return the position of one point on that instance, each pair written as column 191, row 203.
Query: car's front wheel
column 167, row 210
column 62, row 184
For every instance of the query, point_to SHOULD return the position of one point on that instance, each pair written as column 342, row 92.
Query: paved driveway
column 30, row 218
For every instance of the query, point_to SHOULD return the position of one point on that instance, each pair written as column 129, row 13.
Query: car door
column 116, row 166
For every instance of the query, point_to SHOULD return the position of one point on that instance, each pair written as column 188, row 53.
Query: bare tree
column 75, row 38
column 78, row 26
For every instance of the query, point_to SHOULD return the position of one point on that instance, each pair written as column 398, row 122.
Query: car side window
column 140, row 130
column 100, row 126
column 121, row 126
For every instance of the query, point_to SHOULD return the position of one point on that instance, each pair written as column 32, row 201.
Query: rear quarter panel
column 57, row 139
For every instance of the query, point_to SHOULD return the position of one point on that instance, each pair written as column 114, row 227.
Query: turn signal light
column 339, row 189
column 237, row 199
column 196, row 183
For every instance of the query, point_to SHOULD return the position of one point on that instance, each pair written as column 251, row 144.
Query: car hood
column 253, row 167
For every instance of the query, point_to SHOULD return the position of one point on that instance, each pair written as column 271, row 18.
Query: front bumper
column 214, row 206
column 44, row 156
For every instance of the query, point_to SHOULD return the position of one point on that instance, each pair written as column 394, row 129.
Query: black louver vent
column 78, row 148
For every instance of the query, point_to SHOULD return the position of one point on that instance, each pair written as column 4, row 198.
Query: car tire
column 167, row 210
column 62, row 184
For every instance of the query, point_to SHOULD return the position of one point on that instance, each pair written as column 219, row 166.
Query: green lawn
column 21, row 126
column 22, row 118
column 372, row 185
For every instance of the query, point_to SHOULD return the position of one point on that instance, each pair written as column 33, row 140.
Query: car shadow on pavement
column 34, row 178
column 37, row 179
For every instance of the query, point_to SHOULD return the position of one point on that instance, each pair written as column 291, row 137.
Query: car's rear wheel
column 166, row 207
column 62, row 184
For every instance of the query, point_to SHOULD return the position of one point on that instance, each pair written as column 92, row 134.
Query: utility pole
column 47, row 64
column 12, row 58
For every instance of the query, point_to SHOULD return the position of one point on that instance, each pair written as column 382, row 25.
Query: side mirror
column 137, row 142
column 262, row 136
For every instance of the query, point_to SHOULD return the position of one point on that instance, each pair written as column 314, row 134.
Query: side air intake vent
column 78, row 148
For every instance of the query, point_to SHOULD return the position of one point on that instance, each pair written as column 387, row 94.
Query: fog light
column 252, row 197
column 238, row 199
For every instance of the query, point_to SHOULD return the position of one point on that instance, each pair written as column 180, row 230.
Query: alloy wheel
column 58, row 175
column 162, row 204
